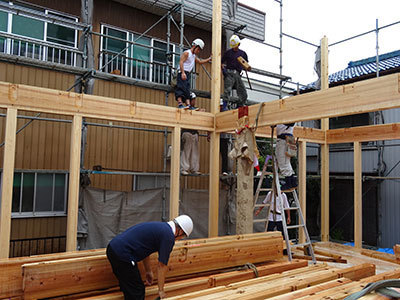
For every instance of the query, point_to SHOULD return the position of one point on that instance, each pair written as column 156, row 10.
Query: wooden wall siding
column 38, row 227
column 43, row 144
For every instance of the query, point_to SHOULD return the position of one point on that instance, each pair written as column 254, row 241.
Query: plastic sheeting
column 103, row 214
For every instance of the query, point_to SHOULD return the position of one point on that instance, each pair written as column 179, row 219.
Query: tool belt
column 234, row 71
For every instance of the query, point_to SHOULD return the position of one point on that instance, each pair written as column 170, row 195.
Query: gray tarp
column 104, row 214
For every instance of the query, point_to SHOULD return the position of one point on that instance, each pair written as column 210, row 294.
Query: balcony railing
column 120, row 64
column 38, row 50
column 35, row 246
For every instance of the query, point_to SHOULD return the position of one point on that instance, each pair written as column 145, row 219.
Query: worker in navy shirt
column 232, row 68
column 136, row 244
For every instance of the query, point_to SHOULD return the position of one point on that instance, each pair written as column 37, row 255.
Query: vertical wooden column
column 175, row 173
column 302, row 173
column 357, row 195
column 7, row 182
column 324, row 148
column 214, row 137
column 73, row 189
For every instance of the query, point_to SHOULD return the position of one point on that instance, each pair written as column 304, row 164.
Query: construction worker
column 277, row 221
column 285, row 145
column 190, row 155
column 186, row 64
column 231, row 68
column 136, row 244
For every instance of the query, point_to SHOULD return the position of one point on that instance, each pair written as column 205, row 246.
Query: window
column 146, row 60
column 37, row 39
column 39, row 194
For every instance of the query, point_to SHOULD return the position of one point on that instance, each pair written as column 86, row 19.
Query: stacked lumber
column 85, row 271
column 273, row 285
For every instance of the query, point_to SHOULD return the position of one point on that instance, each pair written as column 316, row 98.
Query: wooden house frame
column 366, row 96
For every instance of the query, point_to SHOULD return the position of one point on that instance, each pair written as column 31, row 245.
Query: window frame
column 132, row 35
column 34, row 213
column 43, row 55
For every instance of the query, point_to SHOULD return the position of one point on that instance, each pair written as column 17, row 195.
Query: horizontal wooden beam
column 32, row 98
column 364, row 133
column 305, row 134
column 360, row 97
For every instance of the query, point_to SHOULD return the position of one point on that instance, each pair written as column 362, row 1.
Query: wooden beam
column 311, row 135
column 302, row 173
column 396, row 249
column 324, row 148
column 73, row 183
column 357, row 195
column 214, row 137
column 382, row 132
column 360, row 97
column 175, row 173
column 7, row 182
column 32, row 98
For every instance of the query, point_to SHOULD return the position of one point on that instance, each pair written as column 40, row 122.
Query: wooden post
column 175, row 173
column 302, row 185
column 73, row 189
column 324, row 148
column 7, row 182
column 214, row 137
column 357, row 195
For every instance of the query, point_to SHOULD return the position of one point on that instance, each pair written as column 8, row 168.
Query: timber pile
column 76, row 272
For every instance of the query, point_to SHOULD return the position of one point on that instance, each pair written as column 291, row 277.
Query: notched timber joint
column 132, row 108
column 13, row 92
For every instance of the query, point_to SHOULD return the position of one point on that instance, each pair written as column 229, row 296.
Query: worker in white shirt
column 276, row 221
column 285, row 149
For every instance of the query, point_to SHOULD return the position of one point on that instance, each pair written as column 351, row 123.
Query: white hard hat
column 234, row 41
column 198, row 42
column 192, row 95
column 186, row 223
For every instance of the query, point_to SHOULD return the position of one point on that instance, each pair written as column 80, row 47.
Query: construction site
column 127, row 113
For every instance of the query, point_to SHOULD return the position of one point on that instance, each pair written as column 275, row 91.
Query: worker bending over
column 232, row 68
column 285, row 149
column 276, row 222
column 186, row 64
column 136, row 244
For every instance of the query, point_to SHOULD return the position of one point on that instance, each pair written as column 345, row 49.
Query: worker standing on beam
column 232, row 68
column 136, row 244
column 186, row 64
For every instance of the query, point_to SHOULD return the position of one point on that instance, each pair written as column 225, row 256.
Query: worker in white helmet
column 136, row 244
column 232, row 69
column 186, row 64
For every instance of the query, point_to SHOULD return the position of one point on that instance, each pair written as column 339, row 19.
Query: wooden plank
column 302, row 159
column 214, row 137
column 360, row 97
column 73, row 183
column 175, row 173
column 49, row 279
column 381, row 132
column 357, row 195
column 311, row 135
column 312, row 290
column 68, row 103
column 7, row 181
column 324, row 147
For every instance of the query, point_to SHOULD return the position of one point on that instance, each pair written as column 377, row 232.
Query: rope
column 249, row 266
column 382, row 287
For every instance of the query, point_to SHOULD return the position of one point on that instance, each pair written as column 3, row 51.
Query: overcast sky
column 310, row 20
